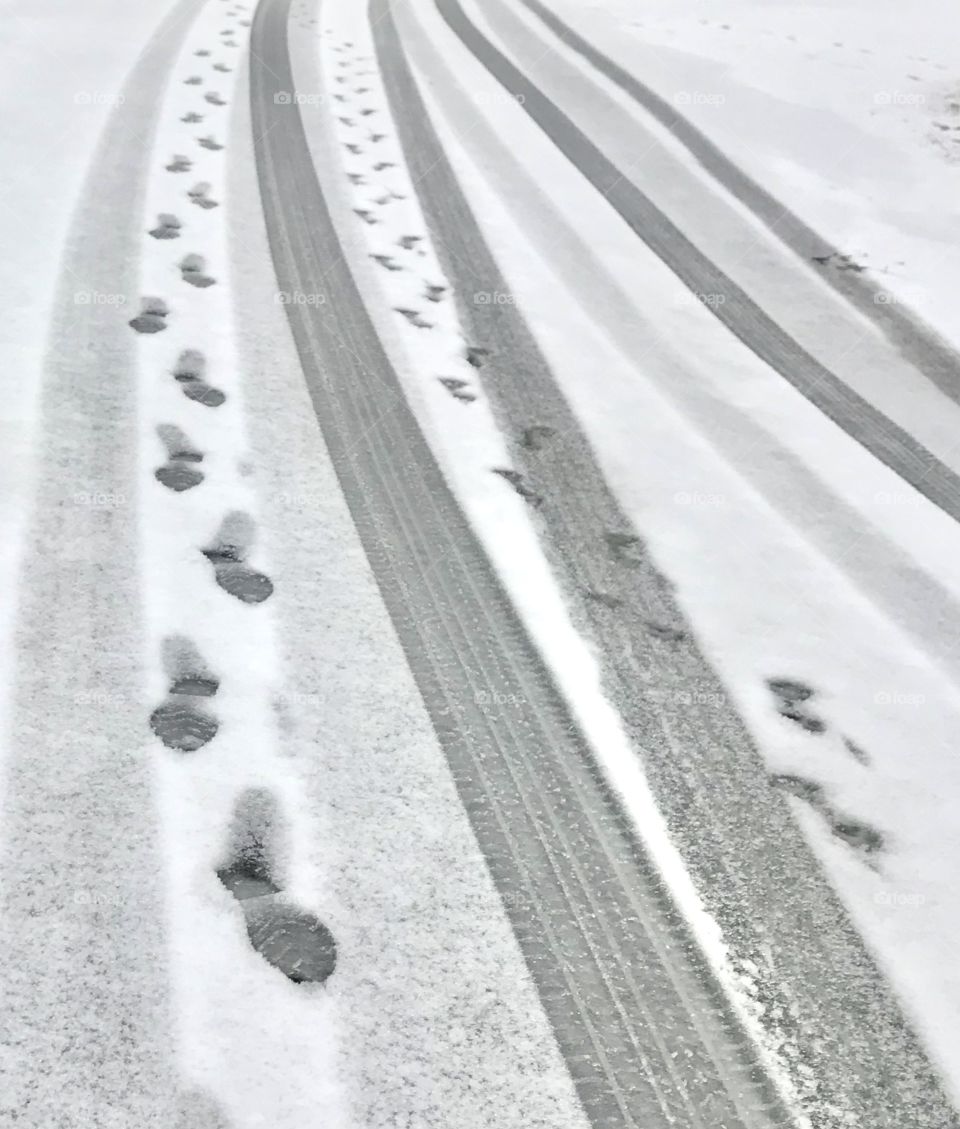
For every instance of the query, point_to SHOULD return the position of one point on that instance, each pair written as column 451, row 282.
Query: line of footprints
column 794, row 701
column 288, row 937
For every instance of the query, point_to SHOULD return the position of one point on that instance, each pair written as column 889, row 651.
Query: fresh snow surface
column 848, row 112
column 769, row 592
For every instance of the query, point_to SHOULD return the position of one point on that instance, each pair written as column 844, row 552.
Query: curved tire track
column 889, row 443
column 918, row 342
column 644, row 1029
column 751, row 864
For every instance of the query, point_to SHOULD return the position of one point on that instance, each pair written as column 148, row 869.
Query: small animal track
column 387, row 262
column 292, row 940
column 179, row 163
column 193, row 80
column 367, row 216
column 152, row 317
column 434, row 292
column 213, row 98
column 183, row 721
column 202, row 53
column 209, row 143
column 192, row 271
column 168, row 227
column 475, row 355
column 222, row 68
column 180, row 472
column 458, row 388
column 191, row 117
column 189, row 372
column 518, row 482
column 790, row 697
column 228, row 556
column 199, row 195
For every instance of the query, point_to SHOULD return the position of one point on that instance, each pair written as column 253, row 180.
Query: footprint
column 192, row 271
column 199, row 195
column 375, row 137
column 152, row 317
column 179, row 163
column 387, row 262
column 222, row 67
column 457, row 388
column 790, row 696
column 189, row 373
column 435, row 292
column 168, row 227
column 626, row 547
column 381, row 165
column 183, row 722
column 856, row 752
column 664, row 632
column 860, row 836
column 209, row 143
column 414, row 318
column 292, row 940
column 228, row 557
column 214, row 98
column 366, row 216
column 475, row 355
column 193, row 80
column 191, row 117
column 180, row 472
column 346, row 121
column 517, row 481
column 355, row 178
column 534, row 438
column 354, row 149
column 202, row 53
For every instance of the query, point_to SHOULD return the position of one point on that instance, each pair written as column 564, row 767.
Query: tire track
column 85, row 1037
column 644, row 1029
column 917, row 342
column 752, row 865
column 893, row 446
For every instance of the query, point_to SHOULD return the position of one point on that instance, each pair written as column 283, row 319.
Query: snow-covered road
column 475, row 589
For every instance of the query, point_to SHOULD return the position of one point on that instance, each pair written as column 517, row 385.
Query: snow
column 770, row 588
column 469, row 444
column 848, row 113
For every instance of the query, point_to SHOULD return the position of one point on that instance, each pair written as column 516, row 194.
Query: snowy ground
column 795, row 554
column 762, row 553
column 848, row 112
